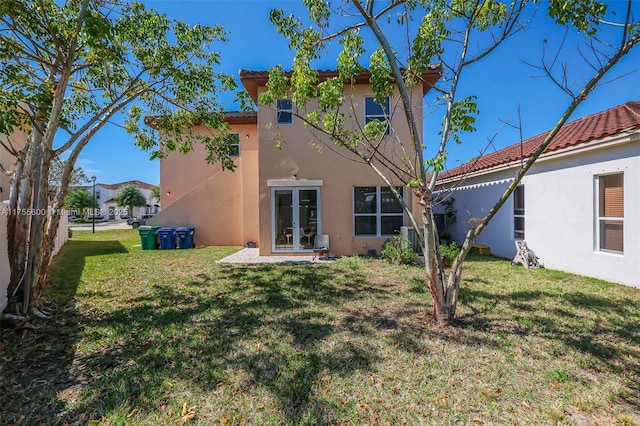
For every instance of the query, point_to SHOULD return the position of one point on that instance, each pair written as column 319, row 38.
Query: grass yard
column 171, row 337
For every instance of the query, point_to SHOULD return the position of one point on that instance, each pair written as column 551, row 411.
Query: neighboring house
column 577, row 207
column 282, row 198
column 109, row 210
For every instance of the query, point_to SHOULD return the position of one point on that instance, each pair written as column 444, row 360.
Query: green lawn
column 166, row 337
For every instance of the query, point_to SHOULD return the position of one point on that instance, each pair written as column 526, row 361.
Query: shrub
column 448, row 253
column 397, row 250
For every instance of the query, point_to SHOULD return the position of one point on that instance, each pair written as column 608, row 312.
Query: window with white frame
column 234, row 151
column 379, row 111
column 610, row 213
column 518, row 213
column 284, row 111
column 376, row 211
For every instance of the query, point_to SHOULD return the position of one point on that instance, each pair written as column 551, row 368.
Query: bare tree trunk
column 18, row 224
column 442, row 312
column 37, row 263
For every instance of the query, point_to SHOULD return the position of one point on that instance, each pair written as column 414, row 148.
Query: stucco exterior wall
column 17, row 140
column 472, row 201
column 298, row 161
column 560, row 208
column 222, row 205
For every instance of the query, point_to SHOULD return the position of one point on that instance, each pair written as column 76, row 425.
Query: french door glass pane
column 284, row 219
column 308, row 217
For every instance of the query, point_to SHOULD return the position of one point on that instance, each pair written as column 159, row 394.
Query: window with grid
column 376, row 212
column 379, row 111
column 518, row 213
column 610, row 213
column 235, row 145
column 284, row 111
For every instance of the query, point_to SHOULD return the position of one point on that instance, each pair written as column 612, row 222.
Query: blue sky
column 502, row 83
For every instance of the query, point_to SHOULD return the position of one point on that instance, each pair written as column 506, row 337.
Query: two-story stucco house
column 282, row 198
column 577, row 207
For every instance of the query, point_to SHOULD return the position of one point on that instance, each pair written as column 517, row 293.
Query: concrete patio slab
column 252, row 255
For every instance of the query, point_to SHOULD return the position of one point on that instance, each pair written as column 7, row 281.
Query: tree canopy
column 66, row 70
column 78, row 200
column 130, row 196
column 455, row 35
column 155, row 193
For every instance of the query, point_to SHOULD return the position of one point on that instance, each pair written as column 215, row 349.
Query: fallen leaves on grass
column 188, row 413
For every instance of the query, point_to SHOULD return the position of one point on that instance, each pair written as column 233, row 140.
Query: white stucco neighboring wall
column 560, row 212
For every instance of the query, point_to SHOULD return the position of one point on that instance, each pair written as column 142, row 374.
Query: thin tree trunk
column 442, row 312
column 18, row 223
column 38, row 225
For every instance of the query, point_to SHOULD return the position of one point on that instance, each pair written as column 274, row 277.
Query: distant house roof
column 231, row 117
column 597, row 126
column 252, row 79
column 138, row 183
column 241, row 117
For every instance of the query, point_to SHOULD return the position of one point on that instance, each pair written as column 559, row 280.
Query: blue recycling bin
column 167, row 238
column 185, row 237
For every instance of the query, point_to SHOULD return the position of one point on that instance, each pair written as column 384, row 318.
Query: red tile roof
column 231, row 117
column 597, row 126
column 138, row 183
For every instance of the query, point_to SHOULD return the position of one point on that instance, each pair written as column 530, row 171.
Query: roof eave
column 231, row 117
column 252, row 80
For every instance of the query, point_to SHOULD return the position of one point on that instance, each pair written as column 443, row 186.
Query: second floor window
column 379, row 111
column 284, row 111
column 235, row 145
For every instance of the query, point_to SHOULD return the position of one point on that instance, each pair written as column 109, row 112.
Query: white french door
column 295, row 219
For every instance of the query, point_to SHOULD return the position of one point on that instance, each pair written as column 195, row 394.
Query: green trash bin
column 148, row 237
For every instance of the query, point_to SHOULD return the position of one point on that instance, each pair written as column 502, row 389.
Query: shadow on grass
column 597, row 325
column 69, row 264
column 272, row 331
column 265, row 322
column 37, row 365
